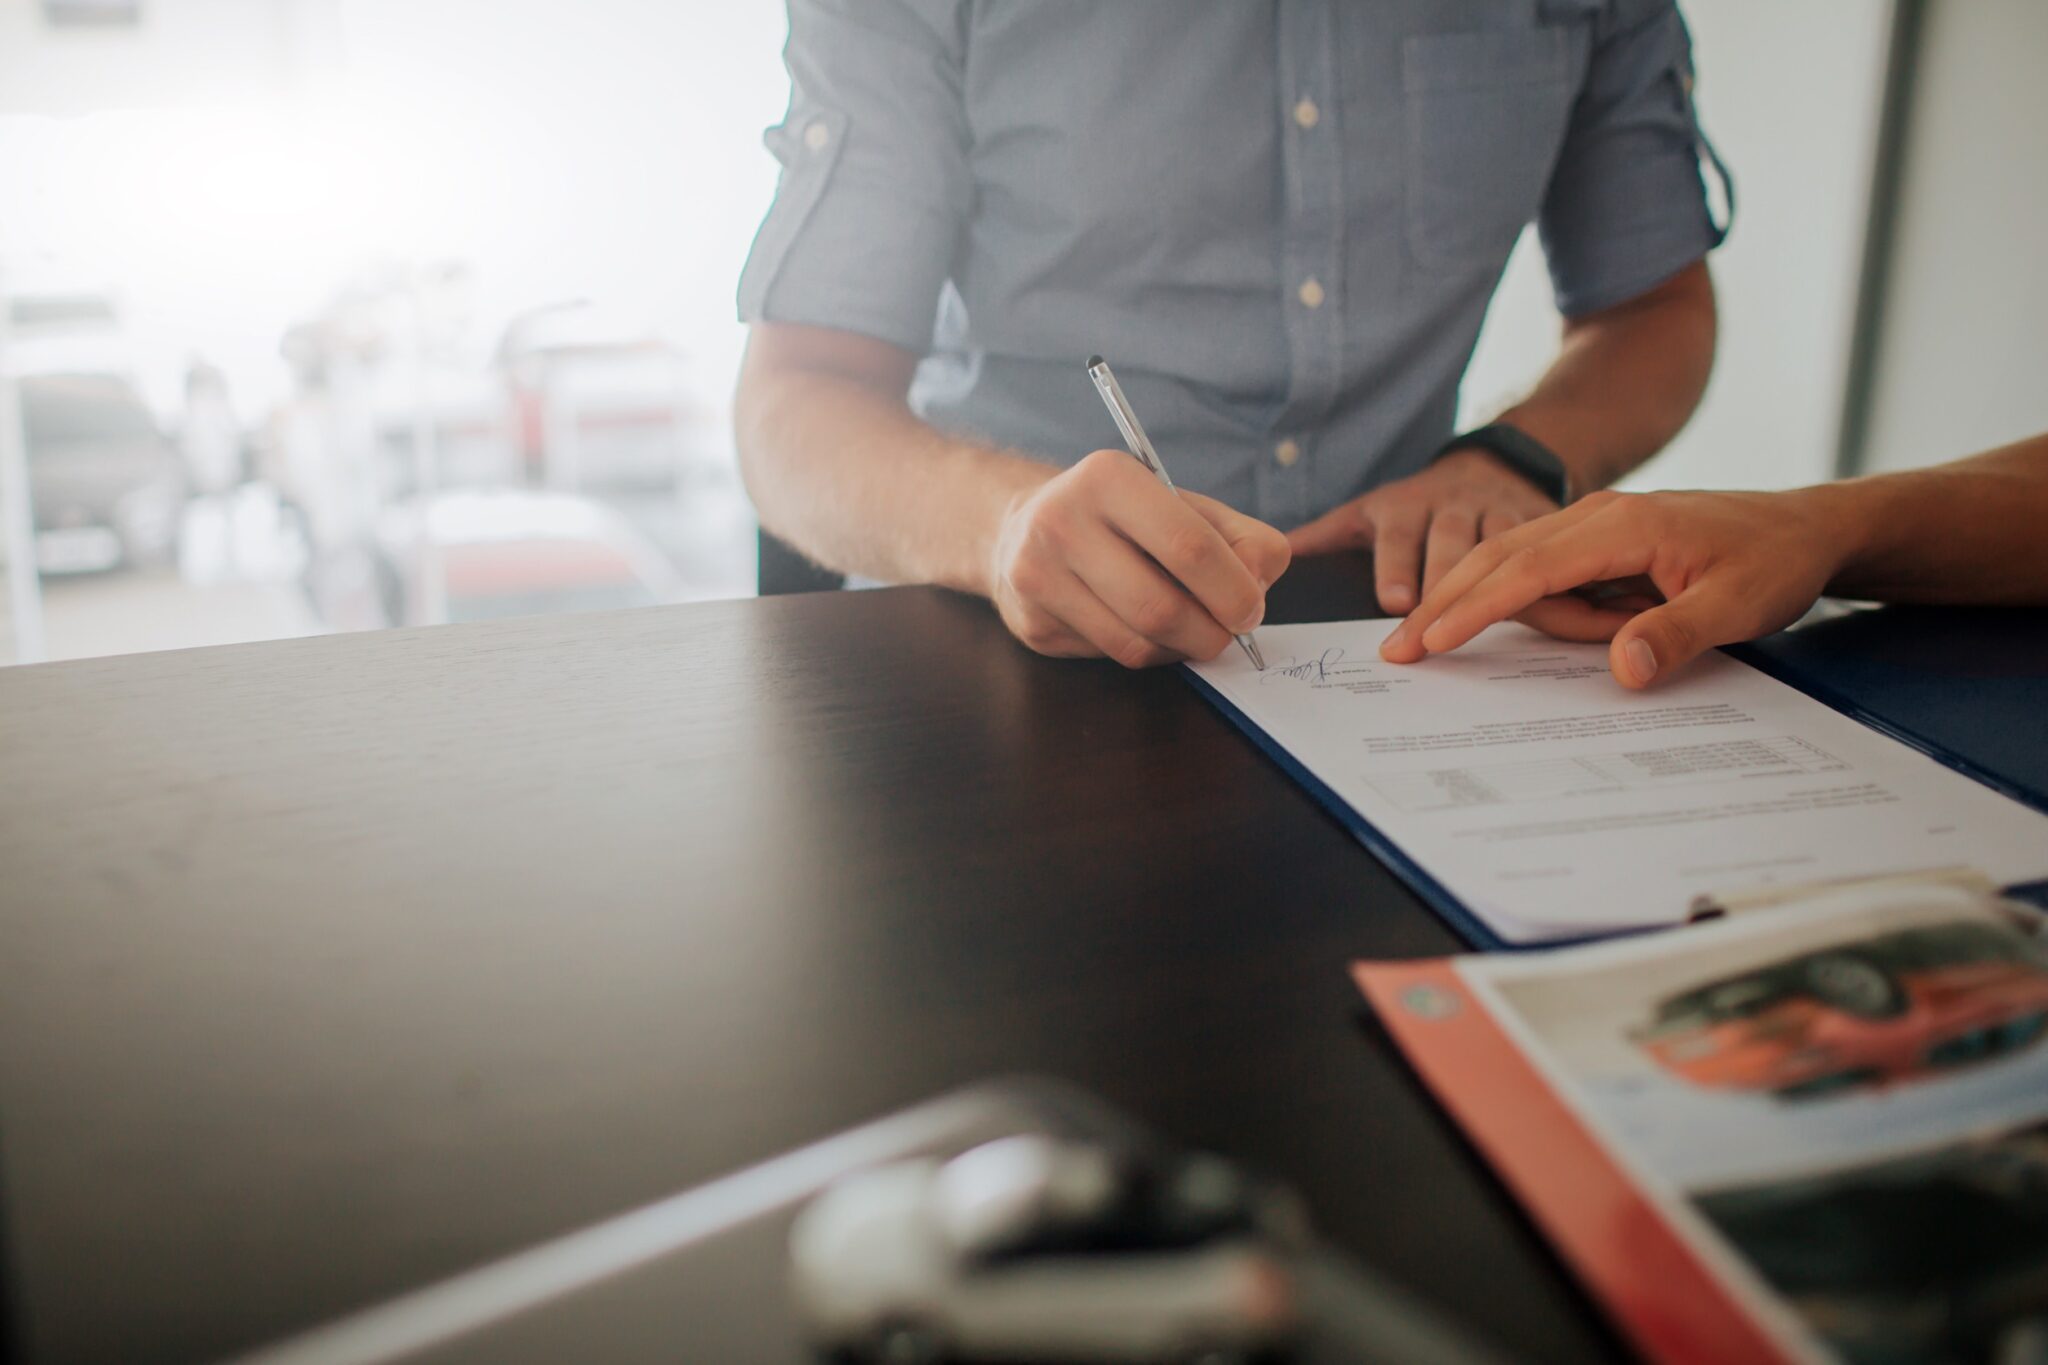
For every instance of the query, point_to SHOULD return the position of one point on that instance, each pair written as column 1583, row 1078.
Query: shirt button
column 817, row 135
column 1310, row 293
column 1306, row 114
column 1287, row 452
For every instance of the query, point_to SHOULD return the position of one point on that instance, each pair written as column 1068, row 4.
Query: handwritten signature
column 1315, row 670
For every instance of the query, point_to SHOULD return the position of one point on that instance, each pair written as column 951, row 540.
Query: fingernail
column 1397, row 599
column 1397, row 638
column 1642, row 660
column 1251, row 623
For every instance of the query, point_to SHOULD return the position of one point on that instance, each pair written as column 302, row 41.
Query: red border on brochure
column 1654, row 1285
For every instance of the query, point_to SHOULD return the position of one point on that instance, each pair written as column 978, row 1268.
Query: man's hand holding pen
column 1103, row 559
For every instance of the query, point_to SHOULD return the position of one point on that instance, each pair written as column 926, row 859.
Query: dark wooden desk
column 330, row 967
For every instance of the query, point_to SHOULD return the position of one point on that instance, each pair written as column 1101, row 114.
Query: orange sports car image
column 1897, row 1007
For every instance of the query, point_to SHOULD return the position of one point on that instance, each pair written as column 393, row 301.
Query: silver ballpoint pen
column 1141, row 446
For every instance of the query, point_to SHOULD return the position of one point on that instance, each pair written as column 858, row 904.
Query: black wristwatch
column 1519, row 451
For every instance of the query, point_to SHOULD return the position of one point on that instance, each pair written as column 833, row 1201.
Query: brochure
column 1817, row 1131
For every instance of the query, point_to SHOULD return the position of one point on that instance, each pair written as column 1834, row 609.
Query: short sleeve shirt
column 1281, row 220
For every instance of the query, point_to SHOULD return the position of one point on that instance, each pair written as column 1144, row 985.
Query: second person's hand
column 1103, row 559
column 1723, row 567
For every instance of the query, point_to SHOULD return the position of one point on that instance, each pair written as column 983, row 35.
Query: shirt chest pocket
column 1486, row 117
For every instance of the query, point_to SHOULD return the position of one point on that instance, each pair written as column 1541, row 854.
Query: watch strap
column 1519, row 451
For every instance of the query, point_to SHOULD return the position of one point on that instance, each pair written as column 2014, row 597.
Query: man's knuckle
column 1109, row 468
column 1036, row 629
column 1136, row 652
column 1055, row 519
column 1156, row 615
column 1187, row 548
column 1030, row 575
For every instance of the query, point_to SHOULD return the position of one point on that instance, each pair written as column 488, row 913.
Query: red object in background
column 517, row 552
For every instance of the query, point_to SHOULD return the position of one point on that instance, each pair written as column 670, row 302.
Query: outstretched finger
column 1404, row 645
column 1526, row 568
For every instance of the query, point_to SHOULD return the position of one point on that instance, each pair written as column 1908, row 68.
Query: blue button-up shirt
column 1281, row 220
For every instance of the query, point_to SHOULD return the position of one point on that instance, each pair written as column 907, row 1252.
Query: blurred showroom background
column 335, row 314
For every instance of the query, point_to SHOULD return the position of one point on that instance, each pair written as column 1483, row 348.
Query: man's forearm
column 1625, row 381
column 845, row 472
column 1963, row 532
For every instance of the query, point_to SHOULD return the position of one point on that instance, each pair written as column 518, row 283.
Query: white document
column 1554, row 803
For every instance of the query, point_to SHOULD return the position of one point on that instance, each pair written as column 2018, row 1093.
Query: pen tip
column 1093, row 361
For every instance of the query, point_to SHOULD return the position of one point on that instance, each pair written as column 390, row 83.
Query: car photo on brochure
column 1840, row 1104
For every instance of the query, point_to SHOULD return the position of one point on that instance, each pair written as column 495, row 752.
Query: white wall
column 1789, row 93
column 1964, row 360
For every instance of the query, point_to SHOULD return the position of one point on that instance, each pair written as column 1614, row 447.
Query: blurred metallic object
column 1033, row 1247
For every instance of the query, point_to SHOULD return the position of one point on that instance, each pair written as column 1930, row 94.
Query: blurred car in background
column 599, row 404
column 106, row 481
column 483, row 554
column 107, row 484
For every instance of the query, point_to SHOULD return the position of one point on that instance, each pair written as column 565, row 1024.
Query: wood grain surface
column 332, row 966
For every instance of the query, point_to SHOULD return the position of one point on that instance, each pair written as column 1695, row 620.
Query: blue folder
column 1967, row 686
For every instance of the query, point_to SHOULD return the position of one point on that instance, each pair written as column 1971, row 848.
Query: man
column 1696, row 570
column 1281, row 221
